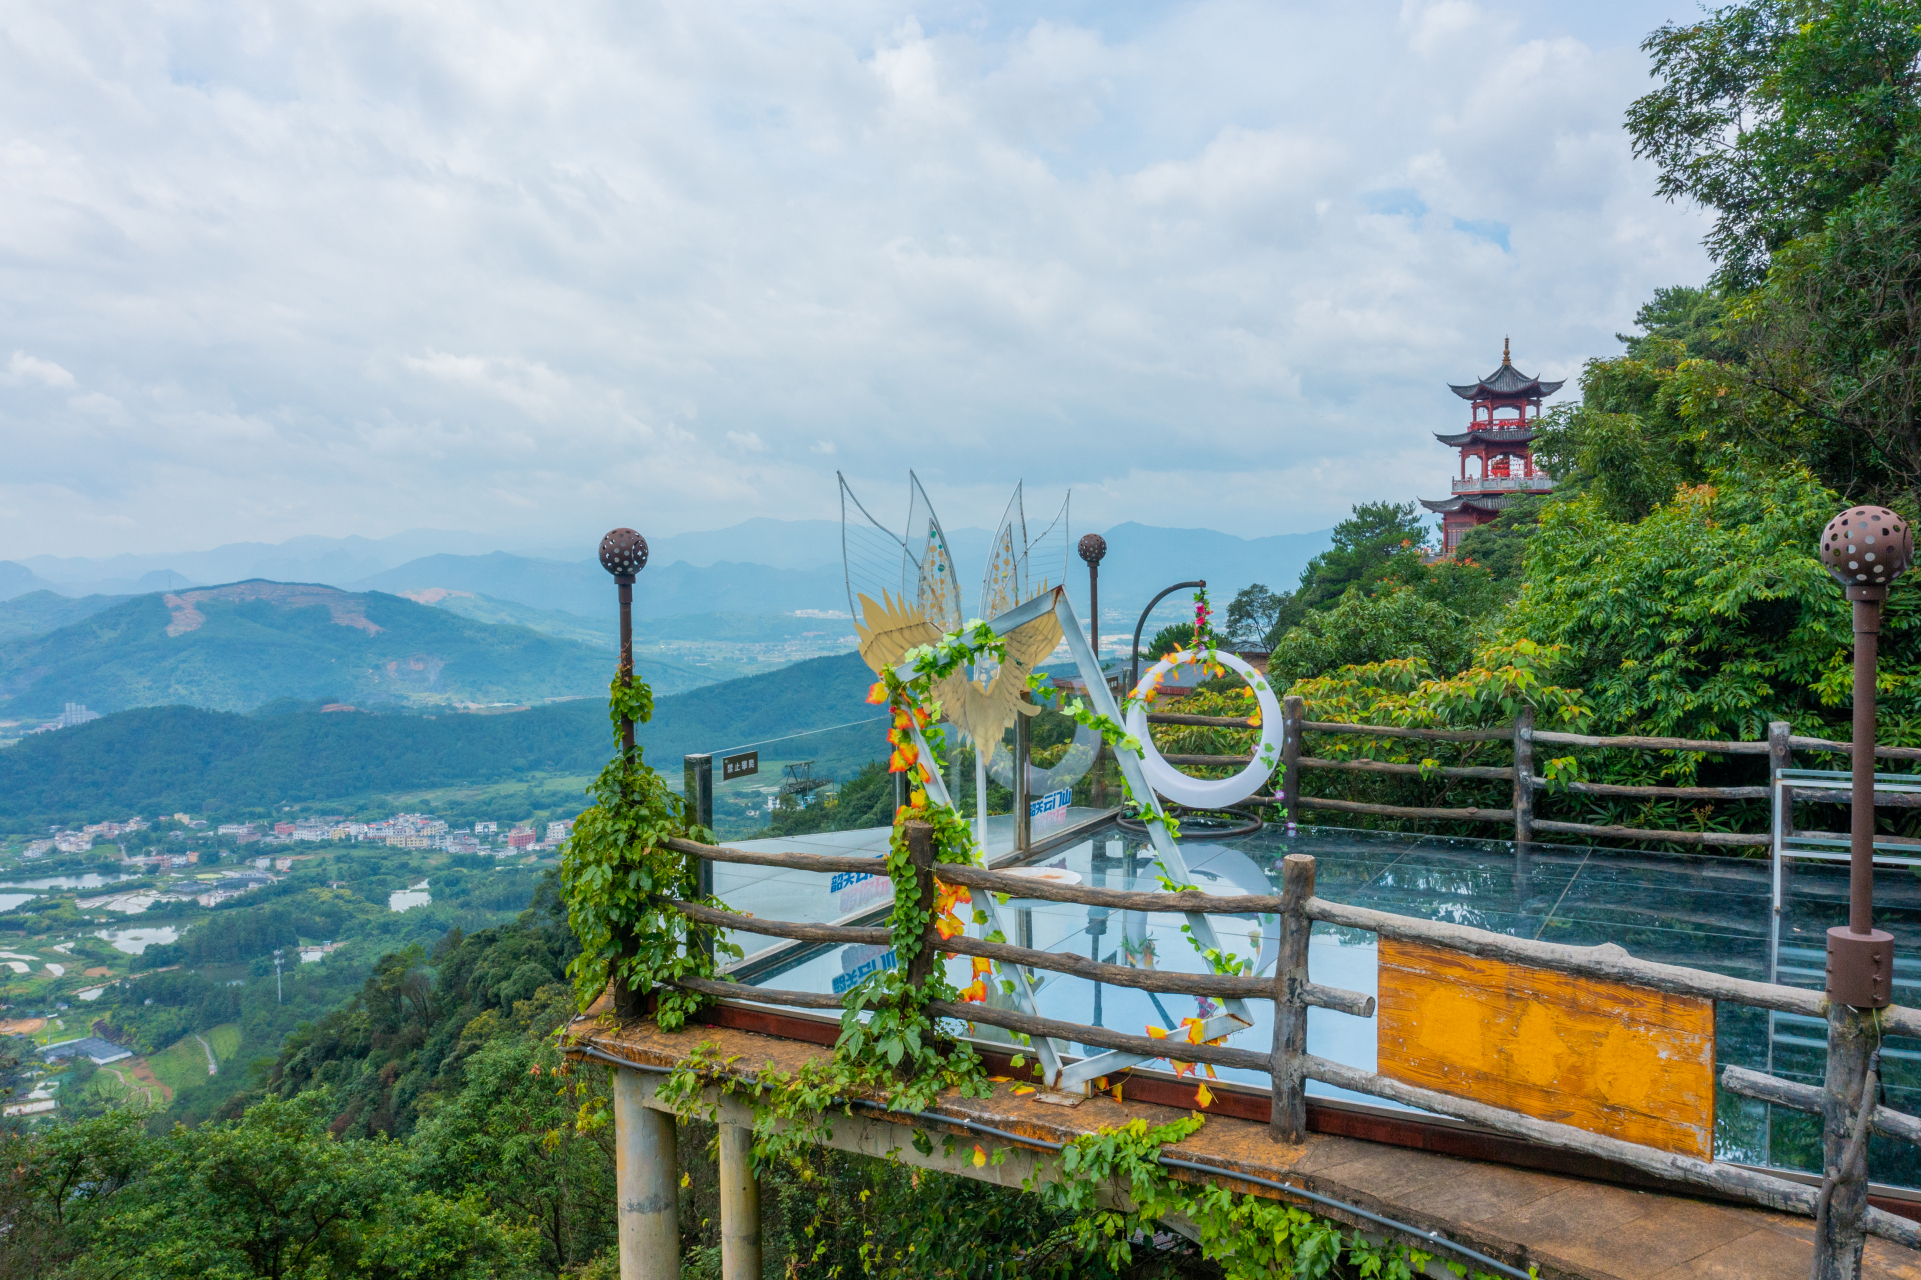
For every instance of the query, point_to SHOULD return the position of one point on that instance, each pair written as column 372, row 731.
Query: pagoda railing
column 1486, row 484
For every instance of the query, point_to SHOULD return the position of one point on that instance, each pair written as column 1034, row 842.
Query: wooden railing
column 1287, row 1063
column 1528, row 784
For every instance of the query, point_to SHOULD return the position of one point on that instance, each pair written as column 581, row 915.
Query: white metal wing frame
column 1079, row 1075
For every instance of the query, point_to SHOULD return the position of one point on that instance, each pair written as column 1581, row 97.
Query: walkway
column 1570, row 1227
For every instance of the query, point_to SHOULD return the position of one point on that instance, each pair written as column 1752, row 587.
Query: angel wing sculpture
column 902, row 591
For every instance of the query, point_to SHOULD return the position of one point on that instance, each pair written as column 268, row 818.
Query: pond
column 410, row 897
column 92, row 880
column 135, row 941
column 1704, row 911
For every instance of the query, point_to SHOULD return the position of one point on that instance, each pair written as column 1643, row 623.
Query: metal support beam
column 646, row 1182
column 739, row 1205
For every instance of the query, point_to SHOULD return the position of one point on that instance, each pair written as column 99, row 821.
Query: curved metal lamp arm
column 1134, row 660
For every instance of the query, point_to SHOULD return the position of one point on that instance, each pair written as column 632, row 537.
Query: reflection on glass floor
column 1705, row 911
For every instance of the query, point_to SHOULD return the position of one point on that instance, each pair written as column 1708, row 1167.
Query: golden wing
column 1032, row 641
column 890, row 630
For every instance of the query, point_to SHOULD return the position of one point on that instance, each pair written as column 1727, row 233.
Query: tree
column 1368, row 545
column 1837, row 335
column 510, row 1133
column 274, row 1195
column 1711, row 615
column 1774, row 113
column 1394, row 623
column 1253, row 614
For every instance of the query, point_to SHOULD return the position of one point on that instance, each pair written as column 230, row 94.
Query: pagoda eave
column 1486, row 504
column 1521, row 437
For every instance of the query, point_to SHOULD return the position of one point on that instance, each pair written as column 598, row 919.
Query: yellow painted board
column 1603, row 1056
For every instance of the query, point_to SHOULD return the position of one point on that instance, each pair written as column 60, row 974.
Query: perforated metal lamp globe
column 1093, row 548
column 623, row 553
column 1867, row 547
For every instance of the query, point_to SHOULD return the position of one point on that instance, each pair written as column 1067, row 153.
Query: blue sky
column 531, row 271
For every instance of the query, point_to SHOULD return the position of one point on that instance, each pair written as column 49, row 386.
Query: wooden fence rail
column 1287, row 1064
column 1528, row 784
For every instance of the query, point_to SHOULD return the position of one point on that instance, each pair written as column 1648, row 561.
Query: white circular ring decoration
column 1208, row 793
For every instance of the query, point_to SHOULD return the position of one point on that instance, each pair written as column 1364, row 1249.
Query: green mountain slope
column 235, row 647
column 163, row 759
column 38, row 612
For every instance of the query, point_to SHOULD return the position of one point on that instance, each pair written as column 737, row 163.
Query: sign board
column 1604, row 1056
column 856, row 963
column 1048, row 803
column 744, row 765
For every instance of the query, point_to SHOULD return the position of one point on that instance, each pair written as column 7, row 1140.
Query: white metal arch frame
column 1208, row 793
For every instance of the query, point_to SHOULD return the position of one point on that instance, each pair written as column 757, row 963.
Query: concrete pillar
column 739, row 1205
column 647, row 1184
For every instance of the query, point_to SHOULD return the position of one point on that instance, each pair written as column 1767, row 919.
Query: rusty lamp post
column 1094, row 550
column 623, row 553
column 1865, row 548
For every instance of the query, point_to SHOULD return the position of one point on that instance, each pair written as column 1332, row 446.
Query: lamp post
column 1865, row 548
column 1094, row 550
column 623, row 553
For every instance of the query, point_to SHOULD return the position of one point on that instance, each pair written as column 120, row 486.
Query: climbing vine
column 623, row 884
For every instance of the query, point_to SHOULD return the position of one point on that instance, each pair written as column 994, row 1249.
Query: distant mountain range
column 759, row 566
column 163, row 759
column 237, row 646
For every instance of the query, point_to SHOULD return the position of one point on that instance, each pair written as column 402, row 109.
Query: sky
column 535, row 271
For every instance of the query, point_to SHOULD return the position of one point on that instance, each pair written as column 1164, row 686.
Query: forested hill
column 168, row 759
column 235, row 647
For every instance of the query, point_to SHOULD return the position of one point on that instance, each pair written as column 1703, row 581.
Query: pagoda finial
column 1505, row 359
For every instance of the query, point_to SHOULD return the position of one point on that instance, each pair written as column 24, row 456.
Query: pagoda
column 1500, row 436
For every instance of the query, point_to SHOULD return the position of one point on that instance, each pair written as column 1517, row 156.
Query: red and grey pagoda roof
column 1507, row 383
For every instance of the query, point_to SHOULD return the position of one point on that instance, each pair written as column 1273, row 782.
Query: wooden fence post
column 1780, row 756
column 920, row 852
column 1293, row 715
column 1839, row 1238
column 1287, row 1117
column 1524, row 777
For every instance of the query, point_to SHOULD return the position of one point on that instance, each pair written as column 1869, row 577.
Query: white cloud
column 23, row 368
column 369, row 267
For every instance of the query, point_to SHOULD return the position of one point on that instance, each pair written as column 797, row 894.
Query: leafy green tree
column 1837, row 337
column 1394, row 623
column 275, row 1194
column 56, row 1183
column 1368, row 546
column 1253, row 615
column 1681, row 318
column 1636, row 435
column 510, row 1133
column 1774, row 113
column 1710, row 616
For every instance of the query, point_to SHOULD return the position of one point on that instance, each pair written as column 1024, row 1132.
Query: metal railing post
column 1524, row 777
column 1293, row 716
column 1287, row 1118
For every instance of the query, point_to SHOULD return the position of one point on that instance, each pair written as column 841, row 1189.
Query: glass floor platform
column 1705, row 911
